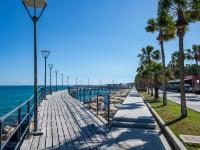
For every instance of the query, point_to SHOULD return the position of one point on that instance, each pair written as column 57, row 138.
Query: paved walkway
column 66, row 124
column 134, row 128
column 192, row 100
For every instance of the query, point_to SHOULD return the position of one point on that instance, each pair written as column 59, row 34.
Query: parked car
column 175, row 86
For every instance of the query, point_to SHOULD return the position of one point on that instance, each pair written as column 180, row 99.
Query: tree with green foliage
column 183, row 13
column 157, row 71
column 165, row 27
column 147, row 56
column 194, row 54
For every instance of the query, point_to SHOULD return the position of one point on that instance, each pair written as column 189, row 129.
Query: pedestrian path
column 134, row 127
column 66, row 124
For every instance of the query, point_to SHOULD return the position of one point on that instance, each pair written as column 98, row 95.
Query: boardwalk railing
column 85, row 93
column 14, row 125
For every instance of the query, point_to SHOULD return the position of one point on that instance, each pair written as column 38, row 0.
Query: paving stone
column 192, row 139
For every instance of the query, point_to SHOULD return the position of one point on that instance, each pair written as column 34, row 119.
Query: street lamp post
column 45, row 54
column 76, row 87
column 56, row 72
column 35, row 4
column 62, row 75
column 76, row 81
column 88, row 82
column 68, row 82
column 50, row 69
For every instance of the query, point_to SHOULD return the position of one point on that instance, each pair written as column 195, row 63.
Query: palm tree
column 157, row 69
column 175, row 62
column 146, row 56
column 156, row 55
column 164, row 25
column 194, row 54
column 182, row 11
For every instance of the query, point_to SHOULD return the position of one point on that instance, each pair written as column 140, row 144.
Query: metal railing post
column 97, row 103
column 84, row 94
column 89, row 99
column 81, row 94
column 77, row 94
column 108, row 109
column 1, row 128
column 76, row 91
column 19, row 123
column 69, row 90
column 28, row 112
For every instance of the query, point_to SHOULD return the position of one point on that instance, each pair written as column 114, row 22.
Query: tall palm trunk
column 197, row 65
column 151, row 87
column 164, row 74
column 182, row 81
column 156, row 95
column 148, row 87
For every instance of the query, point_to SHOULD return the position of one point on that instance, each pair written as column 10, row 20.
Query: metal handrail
column 15, row 109
column 19, row 132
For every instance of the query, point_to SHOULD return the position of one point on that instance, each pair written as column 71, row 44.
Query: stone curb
column 171, row 137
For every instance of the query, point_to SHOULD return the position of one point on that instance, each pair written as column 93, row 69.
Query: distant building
column 130, row 85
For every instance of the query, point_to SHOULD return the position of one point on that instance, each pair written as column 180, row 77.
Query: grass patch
column 171, row 114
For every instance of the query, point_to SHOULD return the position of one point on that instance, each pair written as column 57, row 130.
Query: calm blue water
column 13, row 96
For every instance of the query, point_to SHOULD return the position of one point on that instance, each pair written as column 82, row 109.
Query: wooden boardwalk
column 66, row 124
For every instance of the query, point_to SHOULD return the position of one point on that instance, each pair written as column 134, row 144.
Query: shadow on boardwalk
column 132, row 139
column 66, row 124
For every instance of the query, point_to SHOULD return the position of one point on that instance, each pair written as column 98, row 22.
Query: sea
column 13, row 96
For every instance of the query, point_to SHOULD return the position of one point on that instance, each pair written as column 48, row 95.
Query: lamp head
column 50, row 66
column 35, row 3
column 45, row 53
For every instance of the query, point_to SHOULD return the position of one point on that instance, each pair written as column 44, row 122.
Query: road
column 192, row 100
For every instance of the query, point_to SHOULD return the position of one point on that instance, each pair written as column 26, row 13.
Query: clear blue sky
column 99, row 39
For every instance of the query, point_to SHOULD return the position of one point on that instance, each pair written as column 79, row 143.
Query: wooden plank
column 36, row 139
column 54, row 127
column 42, row 138
column 79, row 133
column 69, row 137
column 87, row 112
column 87, row 119
column 71, row 133
column 95, row 139
column 49, row 140
column 61, row 127
column 101, row 125
column 66, row 124
column 88, row 133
